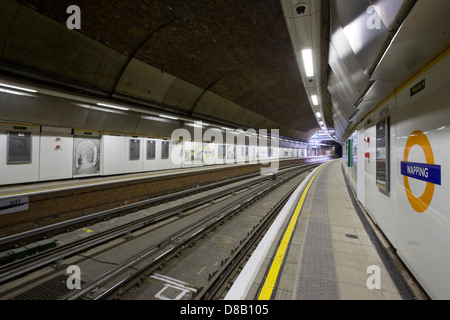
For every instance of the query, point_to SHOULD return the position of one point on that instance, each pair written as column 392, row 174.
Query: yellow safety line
column 272, row 276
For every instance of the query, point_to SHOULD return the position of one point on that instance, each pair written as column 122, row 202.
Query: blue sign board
column 422, row 171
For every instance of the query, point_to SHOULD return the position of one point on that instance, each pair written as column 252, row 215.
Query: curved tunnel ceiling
column 226, row 60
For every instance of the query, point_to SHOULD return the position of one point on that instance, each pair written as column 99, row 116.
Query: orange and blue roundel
column 428, row 172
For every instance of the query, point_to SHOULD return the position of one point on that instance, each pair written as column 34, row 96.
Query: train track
column 157, row 254
column 23, row 238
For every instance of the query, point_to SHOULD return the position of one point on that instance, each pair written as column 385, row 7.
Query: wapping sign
column 428, row 172
column 422, row 171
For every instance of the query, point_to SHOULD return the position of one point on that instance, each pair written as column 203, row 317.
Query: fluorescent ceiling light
column 308, row 62
column 315, row 100
column 168, row 117
column 201, row 123
column 318, row 115
column 111, row 106
column 17, row 93
column 17, row 88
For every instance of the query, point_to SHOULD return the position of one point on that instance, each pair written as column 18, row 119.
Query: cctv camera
column 300, row 9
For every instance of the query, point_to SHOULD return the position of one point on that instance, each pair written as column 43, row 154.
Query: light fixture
column 315, row 100
column 308, row 62
column 168, row 117
column 111, row 106
column 201, row 123
column 17, row 88
column 17, row 93
column 318, row 115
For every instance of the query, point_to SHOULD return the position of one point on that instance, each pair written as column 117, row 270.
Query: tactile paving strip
column 317, row 280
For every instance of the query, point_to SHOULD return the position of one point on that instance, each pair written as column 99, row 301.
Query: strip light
column 17, row 93
column 111, row 106
column 315, row 100
column 308, row 62
column 17, row 88
column 168, row 117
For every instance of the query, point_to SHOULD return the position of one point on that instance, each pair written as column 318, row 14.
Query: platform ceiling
column 226, row 60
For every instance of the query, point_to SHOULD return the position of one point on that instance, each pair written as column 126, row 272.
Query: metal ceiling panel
column 388, row 10
column 363, row 26
column 359, row 31
column 423, row 36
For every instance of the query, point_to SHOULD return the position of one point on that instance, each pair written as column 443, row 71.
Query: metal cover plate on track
column 52, row 289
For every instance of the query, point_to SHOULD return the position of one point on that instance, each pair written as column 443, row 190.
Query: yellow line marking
column 272, row 276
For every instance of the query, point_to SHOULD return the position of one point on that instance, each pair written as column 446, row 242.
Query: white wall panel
column 380, row 205
column 113, row 155
column 164, row 164
column 134, row 164
column 149, row 163
column 361, row 163
column 55, row 162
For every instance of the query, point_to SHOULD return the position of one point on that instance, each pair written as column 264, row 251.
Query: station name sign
column 417, row 88
column 422, row 171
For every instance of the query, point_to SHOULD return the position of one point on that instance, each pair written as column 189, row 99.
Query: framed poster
column 18, row 147
column 382, row 156
column 86, row 156
column 151, row 149
column 135, row 149
column 230, row 152
column 165, row 150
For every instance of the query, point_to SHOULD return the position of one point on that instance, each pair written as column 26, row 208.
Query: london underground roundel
column 428, row 172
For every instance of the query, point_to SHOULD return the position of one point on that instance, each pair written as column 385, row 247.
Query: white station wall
column 424, row 237
column 414, row 215
column 56, row 157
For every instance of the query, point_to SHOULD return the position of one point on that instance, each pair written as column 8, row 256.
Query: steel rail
column 217, row 218
column 143, row 203
column 31, row 263
column 221, row 278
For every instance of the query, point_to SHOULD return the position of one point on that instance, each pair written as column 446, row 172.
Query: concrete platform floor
column 330, row 255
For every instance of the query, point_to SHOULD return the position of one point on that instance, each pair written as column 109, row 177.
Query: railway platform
column 322, row 247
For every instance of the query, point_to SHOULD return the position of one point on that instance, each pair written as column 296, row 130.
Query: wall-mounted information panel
column 18, row 147
column 382, row 155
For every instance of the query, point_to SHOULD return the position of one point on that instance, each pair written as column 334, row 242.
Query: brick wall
column 50, row 208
